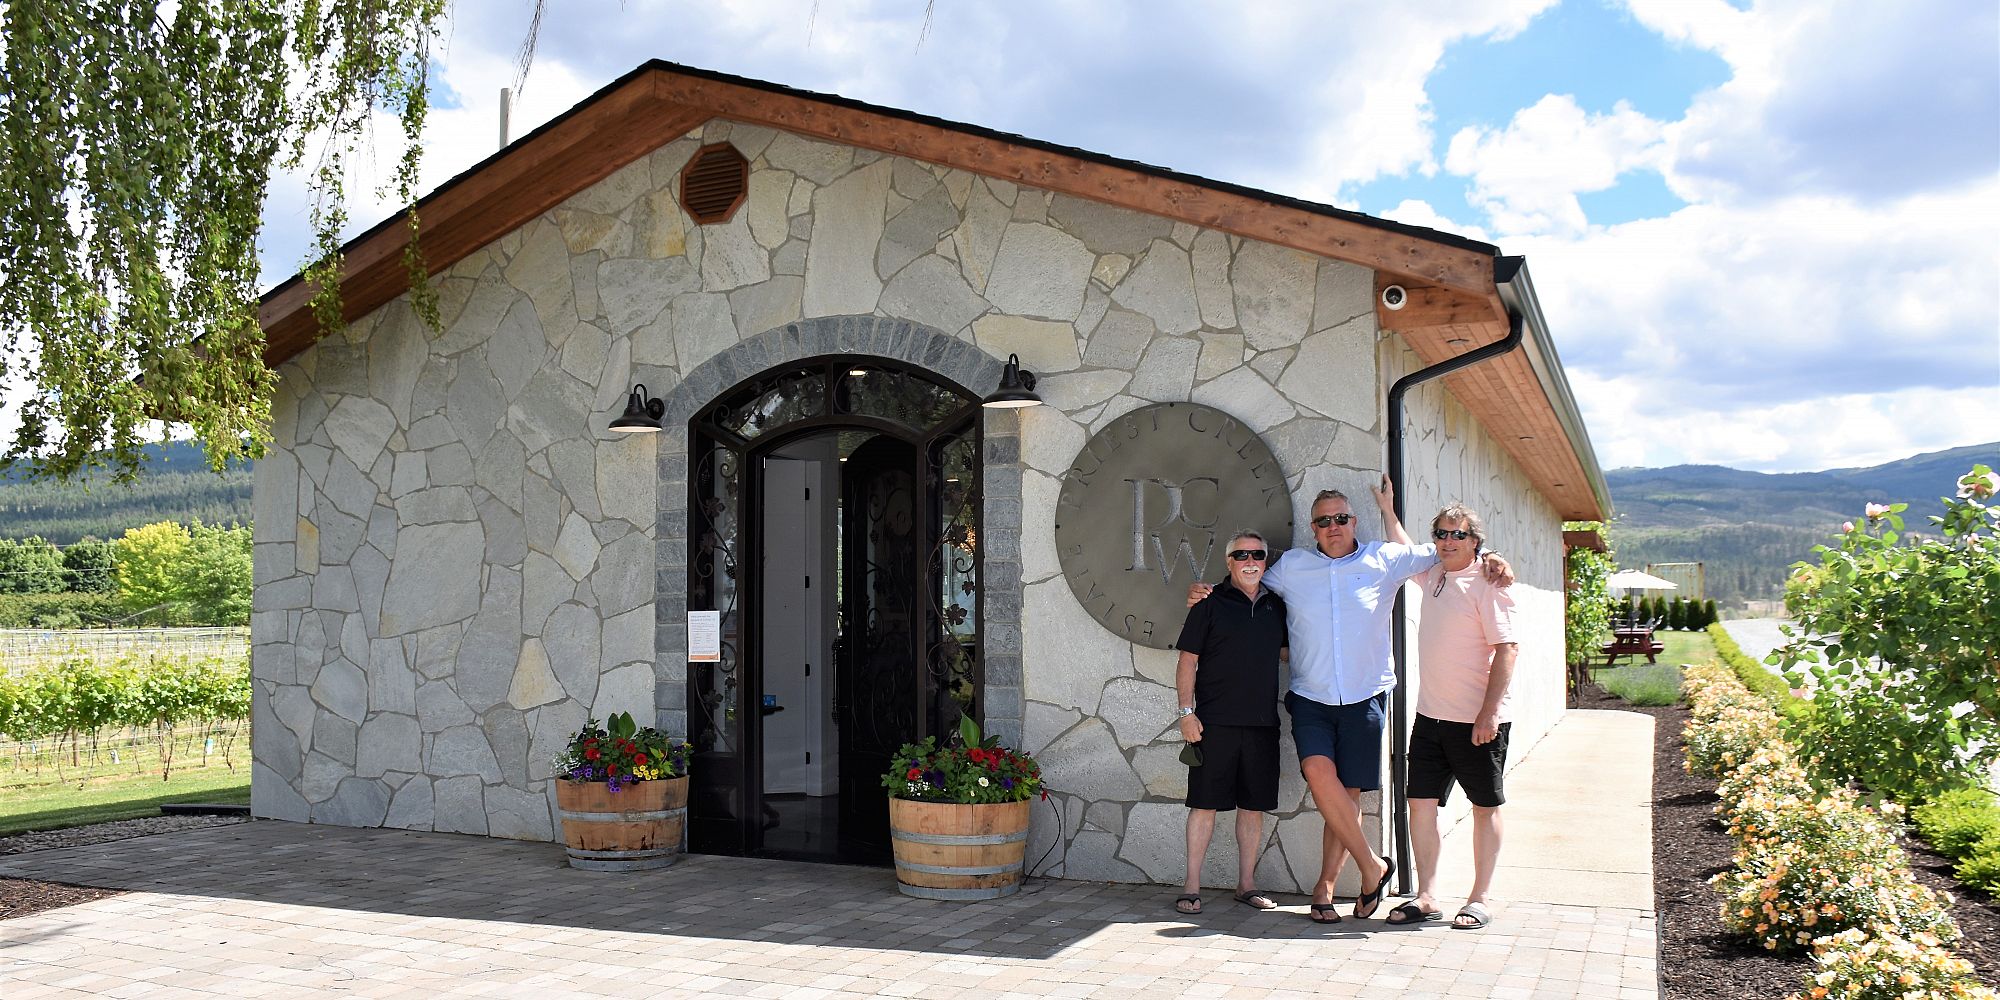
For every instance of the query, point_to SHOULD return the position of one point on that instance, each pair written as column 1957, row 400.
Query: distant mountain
column 1747, row 528
column 175, row 484
column 1693, row 495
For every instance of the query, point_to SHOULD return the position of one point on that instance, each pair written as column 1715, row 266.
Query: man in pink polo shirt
column 1466, row 651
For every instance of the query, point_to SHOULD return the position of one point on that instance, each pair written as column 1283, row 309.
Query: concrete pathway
column 274, row 909
column 1578, row 823
column 1756, row 636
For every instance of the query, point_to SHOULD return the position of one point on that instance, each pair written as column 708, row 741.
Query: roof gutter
column 1399, row 762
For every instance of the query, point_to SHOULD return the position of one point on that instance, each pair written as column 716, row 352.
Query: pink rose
column 1976, row 484
column 1847, row 525
column 1875, row 510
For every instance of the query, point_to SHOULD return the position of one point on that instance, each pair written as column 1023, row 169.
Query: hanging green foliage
column 137, row 140
column 1587, row 616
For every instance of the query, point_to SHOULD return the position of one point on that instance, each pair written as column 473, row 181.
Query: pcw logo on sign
column 1146, row 541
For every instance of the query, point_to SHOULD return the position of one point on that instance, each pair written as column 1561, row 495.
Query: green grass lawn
column 1685, row 647
column 99, row 800
column 46, row 798
column 1642, row 683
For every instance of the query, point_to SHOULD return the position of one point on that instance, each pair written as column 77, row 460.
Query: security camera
column 1395, row 297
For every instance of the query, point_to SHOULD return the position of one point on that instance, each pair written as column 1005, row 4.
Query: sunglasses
column 1243, row 554
column 1440, row 534
column 1329, row 519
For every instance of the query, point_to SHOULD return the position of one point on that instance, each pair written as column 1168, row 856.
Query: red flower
column 914, row 774
column 639, row 759
column 591, row 755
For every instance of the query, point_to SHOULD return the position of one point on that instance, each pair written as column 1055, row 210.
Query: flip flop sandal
column 1189, row 898
column 1372, row 899
column 1474, row 916
column 1324, row 908
column 1411, row 913
column 1256, row 900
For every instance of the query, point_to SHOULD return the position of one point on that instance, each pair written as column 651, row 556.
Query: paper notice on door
column 704, row 636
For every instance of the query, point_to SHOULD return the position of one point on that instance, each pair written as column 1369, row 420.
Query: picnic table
column 1631, row 640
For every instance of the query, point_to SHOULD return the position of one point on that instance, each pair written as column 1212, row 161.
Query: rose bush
column 1716, row 747
column 1856, row 965
column 1899, row 641
column 1793, row 893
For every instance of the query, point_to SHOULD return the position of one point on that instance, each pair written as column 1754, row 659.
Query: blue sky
column 1766, row 234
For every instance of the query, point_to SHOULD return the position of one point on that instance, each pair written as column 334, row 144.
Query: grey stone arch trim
column 899, row 340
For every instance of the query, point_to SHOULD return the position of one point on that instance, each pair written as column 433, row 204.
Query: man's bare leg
column 1340, row 810
column 1200, row 829
column 1486, row 830
column 1249, row 837
column 1426, row 843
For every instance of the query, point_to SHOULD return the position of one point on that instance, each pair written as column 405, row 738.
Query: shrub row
column 59, row 610
column 1757, row 677
column 1680, row 613
column 1815, row 867
column 75, row 701
column 1964, row 824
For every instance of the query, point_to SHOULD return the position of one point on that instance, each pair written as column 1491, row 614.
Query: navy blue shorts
column 1348, row 735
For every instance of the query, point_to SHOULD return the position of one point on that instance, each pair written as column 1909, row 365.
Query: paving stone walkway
column 271, row 909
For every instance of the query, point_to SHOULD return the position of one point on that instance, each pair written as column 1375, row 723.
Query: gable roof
column 1456, row 303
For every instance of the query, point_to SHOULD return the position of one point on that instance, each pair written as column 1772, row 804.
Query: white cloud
column 1796, row 299
column 1526, row 176
column 1853, row 97
column 1639, row 424
column 1414, row 212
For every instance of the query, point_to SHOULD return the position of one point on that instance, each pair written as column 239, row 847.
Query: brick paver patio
column 274, row 909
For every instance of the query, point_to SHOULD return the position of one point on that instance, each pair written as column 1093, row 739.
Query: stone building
column 458, row 560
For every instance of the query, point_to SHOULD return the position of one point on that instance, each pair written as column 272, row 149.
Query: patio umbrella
column 1632, row 579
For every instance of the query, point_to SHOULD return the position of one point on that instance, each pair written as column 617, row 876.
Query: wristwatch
column 1187, row 710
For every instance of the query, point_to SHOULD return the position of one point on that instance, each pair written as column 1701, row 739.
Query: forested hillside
column 1747, row 528
column 175, row 486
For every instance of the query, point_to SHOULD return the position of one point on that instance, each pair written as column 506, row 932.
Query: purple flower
column 1007, row 783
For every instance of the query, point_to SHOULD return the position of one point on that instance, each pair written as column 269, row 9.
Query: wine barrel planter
column 945, row 850
column 633, row 829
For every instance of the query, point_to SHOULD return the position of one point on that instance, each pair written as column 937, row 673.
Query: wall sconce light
column 1017, row 386
column 642, row 413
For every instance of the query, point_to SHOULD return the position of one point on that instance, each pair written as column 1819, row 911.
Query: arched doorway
column 833, row 521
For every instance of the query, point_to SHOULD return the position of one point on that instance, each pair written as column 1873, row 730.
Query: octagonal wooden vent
column 715, row 183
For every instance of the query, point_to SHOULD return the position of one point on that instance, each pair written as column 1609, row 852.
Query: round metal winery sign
column 1149, row 506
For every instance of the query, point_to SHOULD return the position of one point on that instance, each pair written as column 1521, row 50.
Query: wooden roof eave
column 1519, row 398
column 658, row 103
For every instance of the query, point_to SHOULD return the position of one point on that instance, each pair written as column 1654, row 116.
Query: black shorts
column 1239, row 769
column 1442, row 753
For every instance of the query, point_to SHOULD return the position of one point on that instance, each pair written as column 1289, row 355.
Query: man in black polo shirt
column 1228, row 686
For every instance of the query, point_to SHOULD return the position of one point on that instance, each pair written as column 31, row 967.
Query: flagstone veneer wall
column 456, row 563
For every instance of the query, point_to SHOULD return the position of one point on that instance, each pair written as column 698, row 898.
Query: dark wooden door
column 882, row 535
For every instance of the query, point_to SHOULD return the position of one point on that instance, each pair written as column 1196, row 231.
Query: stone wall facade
column 456, row 562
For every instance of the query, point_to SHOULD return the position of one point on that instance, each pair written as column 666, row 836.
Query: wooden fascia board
column 484, row 205
column 1464, row 270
